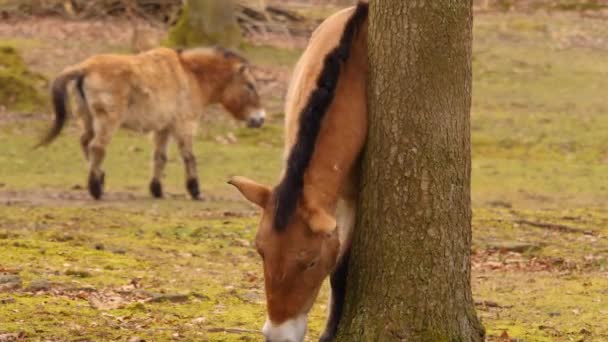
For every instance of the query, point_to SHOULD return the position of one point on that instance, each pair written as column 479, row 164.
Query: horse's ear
column 240, row 67
column 253, row 192
column 321, row 222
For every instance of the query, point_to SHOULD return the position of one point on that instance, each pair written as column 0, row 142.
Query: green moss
column 190, row 32
column 555, row 307
column 20, row 88
column 171, row 248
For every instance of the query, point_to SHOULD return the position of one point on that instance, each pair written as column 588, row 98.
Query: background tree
column 206, row 22
column 409, row 276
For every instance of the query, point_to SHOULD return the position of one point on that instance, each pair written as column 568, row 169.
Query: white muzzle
column 292, row 330
column 256, row 119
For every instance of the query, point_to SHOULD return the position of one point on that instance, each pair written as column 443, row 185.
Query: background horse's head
column 225, row 77
column 296, row 258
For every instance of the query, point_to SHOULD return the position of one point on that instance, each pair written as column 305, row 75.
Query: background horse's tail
column 59, row 93
column 289, row 190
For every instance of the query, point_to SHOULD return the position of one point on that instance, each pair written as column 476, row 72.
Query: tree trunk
column 409, row 273
column 206, row 22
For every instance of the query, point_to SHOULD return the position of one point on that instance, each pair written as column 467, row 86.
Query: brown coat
column 162, row 91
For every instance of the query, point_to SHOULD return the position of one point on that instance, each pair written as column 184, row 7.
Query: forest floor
column 130, row 267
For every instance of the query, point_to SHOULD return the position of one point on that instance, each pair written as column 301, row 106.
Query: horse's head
column 228, row 79
column 241, row 98
column 296, row 259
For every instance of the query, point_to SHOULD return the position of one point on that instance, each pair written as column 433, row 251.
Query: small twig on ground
column 557, row 227
column 233, row 331
column 491, row 304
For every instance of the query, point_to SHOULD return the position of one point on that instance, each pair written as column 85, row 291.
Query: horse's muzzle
column 256, row 119
column 292, row 330
column 255, row 122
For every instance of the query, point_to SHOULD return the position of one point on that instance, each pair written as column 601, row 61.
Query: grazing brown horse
column 163, row 91
column 307, row 220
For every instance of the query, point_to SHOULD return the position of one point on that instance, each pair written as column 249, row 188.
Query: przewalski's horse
column 307, row 220
column 162, row 91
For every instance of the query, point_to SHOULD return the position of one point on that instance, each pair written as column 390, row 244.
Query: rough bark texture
column 206, row 22
column 409, row 275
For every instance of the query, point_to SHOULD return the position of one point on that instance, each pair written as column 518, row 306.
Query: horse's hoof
column 96, row 185
column 193, row 189
column 156, row 189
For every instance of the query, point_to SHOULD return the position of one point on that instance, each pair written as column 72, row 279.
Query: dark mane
column 290, row 189
column 230, row 54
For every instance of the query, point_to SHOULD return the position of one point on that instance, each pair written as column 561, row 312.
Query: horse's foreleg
column 184, row 142
column 161, row 140
column 105, row 127
column 336, row 300
column 345, row 215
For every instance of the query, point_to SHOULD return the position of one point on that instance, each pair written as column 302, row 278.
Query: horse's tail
column 289, row 190
column 59, row 93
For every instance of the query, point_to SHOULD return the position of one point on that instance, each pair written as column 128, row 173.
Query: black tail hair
column 59, row 94
column 290, row 189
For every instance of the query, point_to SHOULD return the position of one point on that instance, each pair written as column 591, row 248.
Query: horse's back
column 146, row 90
column 155, row 71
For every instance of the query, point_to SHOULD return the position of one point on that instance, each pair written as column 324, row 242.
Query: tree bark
column 409, row 273
column 206, row 22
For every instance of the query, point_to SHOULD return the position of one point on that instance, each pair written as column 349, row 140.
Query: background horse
column 162, row 91
column 307, row 220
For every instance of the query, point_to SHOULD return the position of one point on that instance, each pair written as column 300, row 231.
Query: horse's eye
column 312, row 264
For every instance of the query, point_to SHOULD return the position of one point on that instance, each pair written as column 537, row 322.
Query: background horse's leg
column 184, row 135
column 161, row 141
column 106, row 126
column 86, row 120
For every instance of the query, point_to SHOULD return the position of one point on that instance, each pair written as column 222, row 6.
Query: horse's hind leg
column 105, row 126
column 87, row 133
column 161, row 140
column 184, row 139
column 85, row 139
column 86, row 121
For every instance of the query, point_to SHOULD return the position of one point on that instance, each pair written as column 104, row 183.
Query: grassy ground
column 72, row 269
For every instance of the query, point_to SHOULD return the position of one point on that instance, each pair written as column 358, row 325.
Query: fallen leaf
column 106, row 303
column 199, row 320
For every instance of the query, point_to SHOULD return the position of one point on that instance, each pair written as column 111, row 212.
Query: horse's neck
column 341, row 138
column 210, row 80
column 211, row 88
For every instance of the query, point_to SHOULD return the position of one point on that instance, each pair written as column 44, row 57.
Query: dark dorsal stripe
column 290, row 189
column 230, row 54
